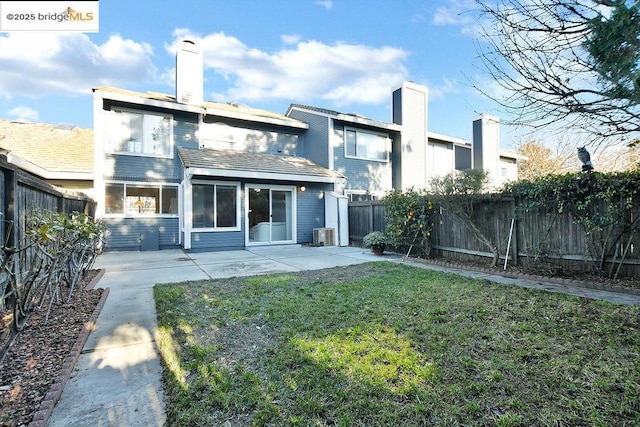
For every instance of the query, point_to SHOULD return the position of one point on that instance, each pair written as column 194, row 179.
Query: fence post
column 514, row 238
column 371, row 216
column 10, row 211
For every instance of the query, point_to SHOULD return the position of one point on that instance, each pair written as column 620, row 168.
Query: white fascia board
column 512, row 155
column 219, row 112
column 369, row 122
column 262, row 175
column 139, row 100
column 446, row 138
column 27, row 166
column 351, row 119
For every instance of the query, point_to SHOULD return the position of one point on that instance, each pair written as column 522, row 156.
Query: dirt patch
column 37, row 357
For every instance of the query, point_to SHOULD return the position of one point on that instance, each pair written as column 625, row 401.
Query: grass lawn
column 384, row 344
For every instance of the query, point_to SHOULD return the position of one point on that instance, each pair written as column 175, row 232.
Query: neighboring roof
column 231, row 110
column 512, row 155
column 446, row 138
column 247, row 165
column 347, row 117
column 55, row 151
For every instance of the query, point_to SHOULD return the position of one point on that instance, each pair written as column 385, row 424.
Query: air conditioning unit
column 324, row 237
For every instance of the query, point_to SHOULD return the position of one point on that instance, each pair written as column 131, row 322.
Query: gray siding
column 311, row 211
column 361, row 174
column 232, row 240
column 144, row 168
column 126, row 233
column 256, row 138
column 315, row 141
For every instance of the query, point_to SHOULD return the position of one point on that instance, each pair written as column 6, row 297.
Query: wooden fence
column 22, row 193
column 537, row 237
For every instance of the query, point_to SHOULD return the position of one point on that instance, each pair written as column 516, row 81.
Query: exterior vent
column 324, row 237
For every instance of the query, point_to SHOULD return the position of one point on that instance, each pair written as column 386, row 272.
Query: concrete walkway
column 117, row 379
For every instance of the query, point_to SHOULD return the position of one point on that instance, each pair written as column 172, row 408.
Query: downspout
column 187, row 213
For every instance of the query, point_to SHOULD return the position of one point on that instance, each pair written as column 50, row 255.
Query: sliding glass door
column 270, row 214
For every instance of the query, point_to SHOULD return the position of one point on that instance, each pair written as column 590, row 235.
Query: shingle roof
column 56, row 148
column 251, row 163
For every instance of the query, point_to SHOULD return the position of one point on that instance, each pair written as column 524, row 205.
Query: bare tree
column 544, row 56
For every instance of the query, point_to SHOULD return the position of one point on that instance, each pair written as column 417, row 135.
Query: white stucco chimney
column 409, row 109
column 486, row 146
column 189, row 73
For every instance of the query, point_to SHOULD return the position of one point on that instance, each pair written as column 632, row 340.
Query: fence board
column 22, row 193
column 539, row 235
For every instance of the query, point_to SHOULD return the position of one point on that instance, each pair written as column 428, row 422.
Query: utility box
column 150, row 240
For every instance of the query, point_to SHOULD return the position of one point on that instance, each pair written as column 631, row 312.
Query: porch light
column 302, row 188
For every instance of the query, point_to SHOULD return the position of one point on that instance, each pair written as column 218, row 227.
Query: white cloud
column 340, row 72
column 461, row 13
column 36, row 64
column 446, row 87
column 327, row 4
column 290, row 38
column 23, row 114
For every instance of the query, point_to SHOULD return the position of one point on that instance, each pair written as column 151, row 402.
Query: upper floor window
column 132, row 199
column 366, row 145
column 134, row 132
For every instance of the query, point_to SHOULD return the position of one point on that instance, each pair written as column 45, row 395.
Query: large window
column 140, row 133
column 140, row 199
column 366, row 145
column 215, row 205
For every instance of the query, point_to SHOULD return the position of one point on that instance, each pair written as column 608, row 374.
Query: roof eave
column 250, row 117
column 30, row 167
column 236, row 173
column 140, row 100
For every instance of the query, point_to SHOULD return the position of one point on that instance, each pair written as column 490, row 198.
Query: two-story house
column 175, row 170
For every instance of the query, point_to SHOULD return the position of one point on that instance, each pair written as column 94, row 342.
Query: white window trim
column 142, row 184
column 238, row 226
column 358, row 130
column 110, row 147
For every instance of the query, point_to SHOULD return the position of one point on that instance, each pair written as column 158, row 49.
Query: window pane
column 381, row 153
column 142, row 200
column 114, row 198
column 133, row 132
column 157, row 135
column 226, row 205
column 170, row 200
column 363, row 140
column 202, row 206
column 365, row 145
column 351, row 143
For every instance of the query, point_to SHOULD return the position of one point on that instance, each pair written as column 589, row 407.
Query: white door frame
column 294, row 214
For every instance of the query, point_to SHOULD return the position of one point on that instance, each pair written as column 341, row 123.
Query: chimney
column 409, row 109
column 486, row 146
column 189, row 73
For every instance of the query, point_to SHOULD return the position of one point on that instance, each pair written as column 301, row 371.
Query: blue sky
column 338, row 54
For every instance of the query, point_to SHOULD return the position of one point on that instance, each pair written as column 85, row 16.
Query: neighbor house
column 178, row 171
column 61, row 155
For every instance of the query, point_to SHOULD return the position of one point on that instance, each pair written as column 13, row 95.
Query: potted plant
column 376, row 240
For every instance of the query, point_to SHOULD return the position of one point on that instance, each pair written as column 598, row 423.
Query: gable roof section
column 238, row 164
column 230, row 110
column 50, row 151
column 347, row 117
